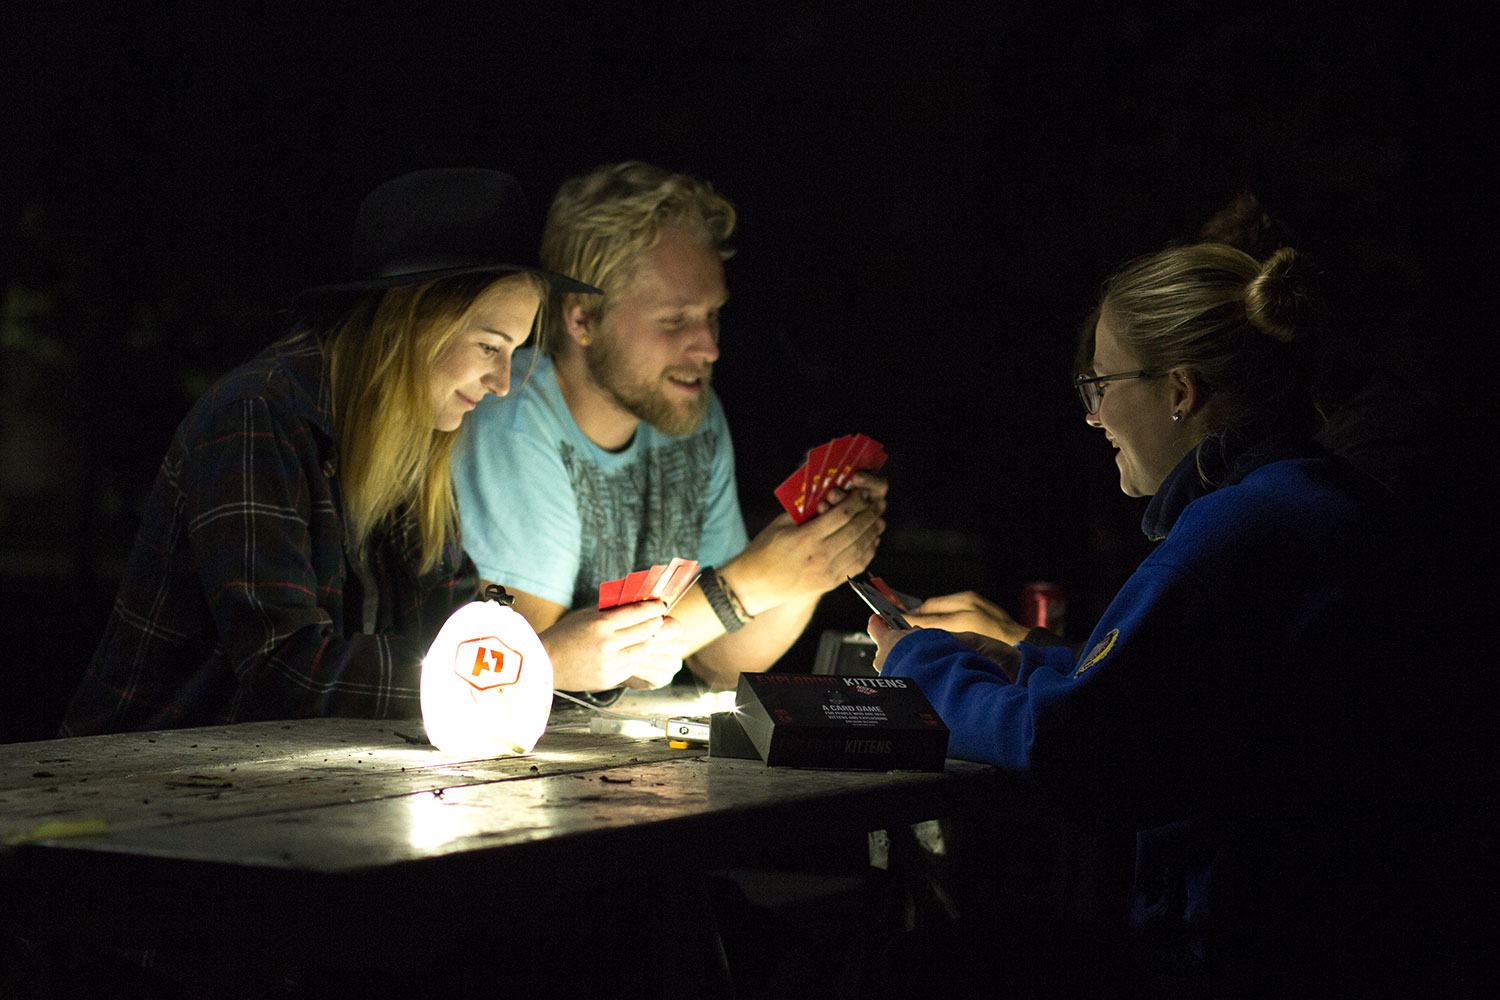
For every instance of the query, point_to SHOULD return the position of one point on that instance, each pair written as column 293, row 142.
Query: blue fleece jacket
column 1248, row 704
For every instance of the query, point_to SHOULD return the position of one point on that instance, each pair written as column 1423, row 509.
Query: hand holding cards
column 663, row 582
column 881, row 599
column 828, row 466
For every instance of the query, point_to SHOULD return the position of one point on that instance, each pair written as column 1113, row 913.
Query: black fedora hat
column 440, row 223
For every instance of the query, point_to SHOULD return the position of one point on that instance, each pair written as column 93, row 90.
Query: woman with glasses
column 1252, row 704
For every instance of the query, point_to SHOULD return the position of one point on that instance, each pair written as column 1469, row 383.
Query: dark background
column 929, row 194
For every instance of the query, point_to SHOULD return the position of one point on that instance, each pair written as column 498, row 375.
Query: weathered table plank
column 418, row 824
column 127, row 780
column 132, row 780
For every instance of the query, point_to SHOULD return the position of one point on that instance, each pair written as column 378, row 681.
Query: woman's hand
column 885, row 637
column 1003, row 654
column 967, row 612
column 1006, row 656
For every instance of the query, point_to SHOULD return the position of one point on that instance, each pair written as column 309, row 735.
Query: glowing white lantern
column 486, row 681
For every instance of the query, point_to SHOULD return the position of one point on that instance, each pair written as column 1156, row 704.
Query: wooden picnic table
column 315, row 831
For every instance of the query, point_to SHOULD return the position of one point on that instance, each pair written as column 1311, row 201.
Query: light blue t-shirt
column 548, row 512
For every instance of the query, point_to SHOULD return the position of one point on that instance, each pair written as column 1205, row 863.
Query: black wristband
column 718, row 599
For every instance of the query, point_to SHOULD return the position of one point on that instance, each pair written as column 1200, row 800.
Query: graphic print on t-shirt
column 643, row 514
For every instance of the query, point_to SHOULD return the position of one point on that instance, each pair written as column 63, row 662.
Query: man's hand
column 871, row 486
column 1004, row 655
column 636, row 645
column 967, row 612
column 788, row 560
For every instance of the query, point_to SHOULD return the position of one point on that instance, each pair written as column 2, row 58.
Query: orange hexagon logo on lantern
column 487, row 663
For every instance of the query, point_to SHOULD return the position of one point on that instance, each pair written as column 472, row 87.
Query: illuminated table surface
column 296, row 825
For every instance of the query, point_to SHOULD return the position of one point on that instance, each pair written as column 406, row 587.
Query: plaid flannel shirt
column 239, row 601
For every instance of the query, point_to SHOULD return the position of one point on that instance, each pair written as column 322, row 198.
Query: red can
column 1043, row 606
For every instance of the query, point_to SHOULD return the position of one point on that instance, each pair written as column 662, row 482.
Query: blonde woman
column 300, row 546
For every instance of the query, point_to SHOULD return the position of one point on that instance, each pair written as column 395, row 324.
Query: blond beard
column 644, row 400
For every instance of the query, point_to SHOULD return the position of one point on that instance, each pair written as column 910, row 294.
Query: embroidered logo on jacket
column 1100, row 651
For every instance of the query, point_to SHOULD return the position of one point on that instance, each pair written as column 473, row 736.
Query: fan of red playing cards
column 828, row 465
column 659, row 583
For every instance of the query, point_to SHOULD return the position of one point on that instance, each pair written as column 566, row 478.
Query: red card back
column 791, row 494
column 609, row 593
column 631, row 591
column 817, row 469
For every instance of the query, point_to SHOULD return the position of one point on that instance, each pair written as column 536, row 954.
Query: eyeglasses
column 1091, row 387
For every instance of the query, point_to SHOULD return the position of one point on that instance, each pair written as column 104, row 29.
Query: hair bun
column 1280, row 301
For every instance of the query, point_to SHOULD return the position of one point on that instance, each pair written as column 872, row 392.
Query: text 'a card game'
column 829, row 465
column 663, row 582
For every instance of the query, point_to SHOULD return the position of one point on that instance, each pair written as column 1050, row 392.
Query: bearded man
column 611, row 454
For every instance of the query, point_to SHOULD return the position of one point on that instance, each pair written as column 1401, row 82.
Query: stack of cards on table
column 828, row 465
column 659, row 583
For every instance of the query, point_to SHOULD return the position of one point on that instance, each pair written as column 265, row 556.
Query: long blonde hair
column 380, row 358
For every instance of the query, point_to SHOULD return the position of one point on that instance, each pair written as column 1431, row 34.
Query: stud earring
column 584, row 339
column 1176, row 416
